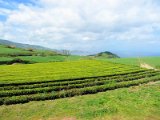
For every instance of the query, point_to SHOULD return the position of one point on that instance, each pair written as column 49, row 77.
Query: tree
column 66, row 52
column 30, row 49
column 11, row 46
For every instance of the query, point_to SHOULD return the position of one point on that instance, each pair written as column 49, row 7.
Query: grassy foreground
column 134, row 103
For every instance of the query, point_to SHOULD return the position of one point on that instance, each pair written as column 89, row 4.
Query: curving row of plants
column 27, row 82
column 65, row 87
column 74, row 92
column 61, row 83
column 24, row 83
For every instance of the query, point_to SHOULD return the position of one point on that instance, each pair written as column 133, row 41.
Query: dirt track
column 147, row 66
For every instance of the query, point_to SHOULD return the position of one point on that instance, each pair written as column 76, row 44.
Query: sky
column 126, row 27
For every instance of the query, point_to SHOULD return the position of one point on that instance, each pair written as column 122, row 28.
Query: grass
column 135, row 103
column 3, row 59
column 153, row 61
column 5, row 51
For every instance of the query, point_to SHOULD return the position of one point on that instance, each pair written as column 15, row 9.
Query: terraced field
column 49, row 81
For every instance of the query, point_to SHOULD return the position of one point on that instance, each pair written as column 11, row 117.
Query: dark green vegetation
column 84, row 77
column 40, row 59
column 134, row 103
column 105, row 55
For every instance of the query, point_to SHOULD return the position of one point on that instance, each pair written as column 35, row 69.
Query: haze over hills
column 24, row 46
column 72, row 52
column 122, row 52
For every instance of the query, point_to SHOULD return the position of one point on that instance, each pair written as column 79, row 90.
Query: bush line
column 74, row 92
column 87, row 81
column 71, row 79
column 59, row 88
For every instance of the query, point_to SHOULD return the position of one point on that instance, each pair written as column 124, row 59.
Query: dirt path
column 147, row 66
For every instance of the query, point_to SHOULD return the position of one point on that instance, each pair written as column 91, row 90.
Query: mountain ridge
column 22, row 45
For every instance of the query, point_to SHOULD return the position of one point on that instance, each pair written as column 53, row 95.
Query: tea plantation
column 50, row 81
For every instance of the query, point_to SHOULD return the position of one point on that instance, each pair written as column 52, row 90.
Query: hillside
column 105, row 54
column 11, row 50
column 20, row 45
column 10, row 54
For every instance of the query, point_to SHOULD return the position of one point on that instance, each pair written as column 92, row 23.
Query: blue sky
column 126, row 27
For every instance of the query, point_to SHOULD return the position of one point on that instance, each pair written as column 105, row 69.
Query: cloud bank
column 90, row 25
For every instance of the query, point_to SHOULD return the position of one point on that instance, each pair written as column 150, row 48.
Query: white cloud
column 72, row 23
column 1, row 30
column 4, row 11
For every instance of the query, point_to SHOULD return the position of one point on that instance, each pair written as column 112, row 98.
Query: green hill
column 11, row 50
column 6, row 50
column 105, row 54
column 10, row 54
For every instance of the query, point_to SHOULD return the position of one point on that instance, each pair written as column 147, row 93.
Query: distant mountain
column 79, row 52
column 105, row 54
column 20, row 45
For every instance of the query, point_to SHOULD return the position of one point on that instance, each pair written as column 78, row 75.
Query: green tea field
column 79, row 59
column 49, row 81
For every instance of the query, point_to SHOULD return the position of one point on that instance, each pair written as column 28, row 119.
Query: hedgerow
column 74, row 92
column 69, row 86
